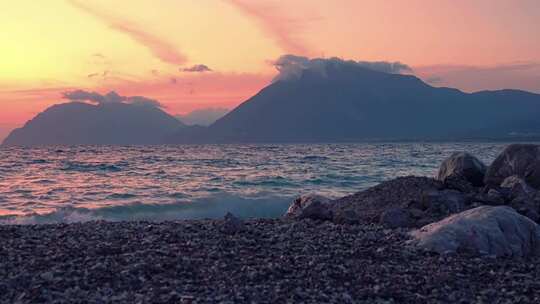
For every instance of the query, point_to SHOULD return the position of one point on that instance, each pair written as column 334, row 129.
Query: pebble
column 258, row 261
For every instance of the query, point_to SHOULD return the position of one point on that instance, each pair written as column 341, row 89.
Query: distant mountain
column 5, row 129
column 340, row 101
column 202, row 117
column 317, row 100
column 76, row 123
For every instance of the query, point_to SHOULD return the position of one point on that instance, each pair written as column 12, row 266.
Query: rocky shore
column 268, row 261
column 469, row 235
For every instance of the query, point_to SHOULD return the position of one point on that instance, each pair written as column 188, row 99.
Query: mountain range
column 338, row 101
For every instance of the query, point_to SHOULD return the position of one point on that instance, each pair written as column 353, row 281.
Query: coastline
column 468, row 235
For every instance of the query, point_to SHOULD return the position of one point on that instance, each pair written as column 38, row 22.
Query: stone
column 416, row 213
column 517, row 187
column 457, row 182
column 231, row 224
column 464, row 166
column 527, row 207
column 369, row 204
column 494, row 197
column 395, row 218
column 312, row 206
column 485, row 230
column 522, row 160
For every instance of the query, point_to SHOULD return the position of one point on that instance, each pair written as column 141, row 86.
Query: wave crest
column 213, row 207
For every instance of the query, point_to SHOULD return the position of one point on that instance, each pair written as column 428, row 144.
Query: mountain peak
column 79, row 123
column 346, row 101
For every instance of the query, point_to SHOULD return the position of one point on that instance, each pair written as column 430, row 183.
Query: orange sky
column 141, row 47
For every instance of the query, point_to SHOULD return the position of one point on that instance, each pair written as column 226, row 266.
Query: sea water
column 81, row 183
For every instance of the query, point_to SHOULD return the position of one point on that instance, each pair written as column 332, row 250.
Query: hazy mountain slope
column 202, row 117
column 350, row 103
column 82, row 123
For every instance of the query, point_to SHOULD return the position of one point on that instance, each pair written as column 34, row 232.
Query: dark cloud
column 94, row 75
column 198, row 68
column 109, row 98
column 81, row 95
column 290, row 67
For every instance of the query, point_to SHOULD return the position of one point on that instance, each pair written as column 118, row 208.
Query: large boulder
column 312, row 206
column 436, row 205
column 462, row 165
column 485, row 230
column 368, row 205
column 522, row 160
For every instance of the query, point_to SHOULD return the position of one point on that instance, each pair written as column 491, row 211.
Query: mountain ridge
column 350, row 104
column 323, row 101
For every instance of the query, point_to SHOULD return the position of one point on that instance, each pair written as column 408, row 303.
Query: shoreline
column 468, row 235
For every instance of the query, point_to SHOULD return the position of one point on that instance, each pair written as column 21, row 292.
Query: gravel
column 268, row 261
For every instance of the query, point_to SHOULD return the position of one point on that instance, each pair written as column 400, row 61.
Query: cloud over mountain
column 290, row 67
column 111, row 97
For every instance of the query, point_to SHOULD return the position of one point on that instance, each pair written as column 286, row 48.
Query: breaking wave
column 213, row 207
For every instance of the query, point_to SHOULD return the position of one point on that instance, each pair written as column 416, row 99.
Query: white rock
column 485, row 230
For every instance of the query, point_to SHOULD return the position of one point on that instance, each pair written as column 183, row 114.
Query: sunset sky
column 216, row 53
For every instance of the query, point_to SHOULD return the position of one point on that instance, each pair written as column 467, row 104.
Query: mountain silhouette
column 343, row 102
column 321, row 101
column 77, row 123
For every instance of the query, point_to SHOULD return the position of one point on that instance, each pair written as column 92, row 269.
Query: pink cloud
column 283, row 29
column 160, row 48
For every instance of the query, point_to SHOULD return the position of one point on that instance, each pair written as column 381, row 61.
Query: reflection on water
column 45, row 180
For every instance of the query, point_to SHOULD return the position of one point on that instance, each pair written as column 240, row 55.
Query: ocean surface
column 71, row 184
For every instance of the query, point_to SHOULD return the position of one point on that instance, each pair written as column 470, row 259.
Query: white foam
column 214, row 207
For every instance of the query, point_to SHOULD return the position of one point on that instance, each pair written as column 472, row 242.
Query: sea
column 61, row 184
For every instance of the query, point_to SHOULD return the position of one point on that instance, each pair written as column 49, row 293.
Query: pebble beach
column 267, row 261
